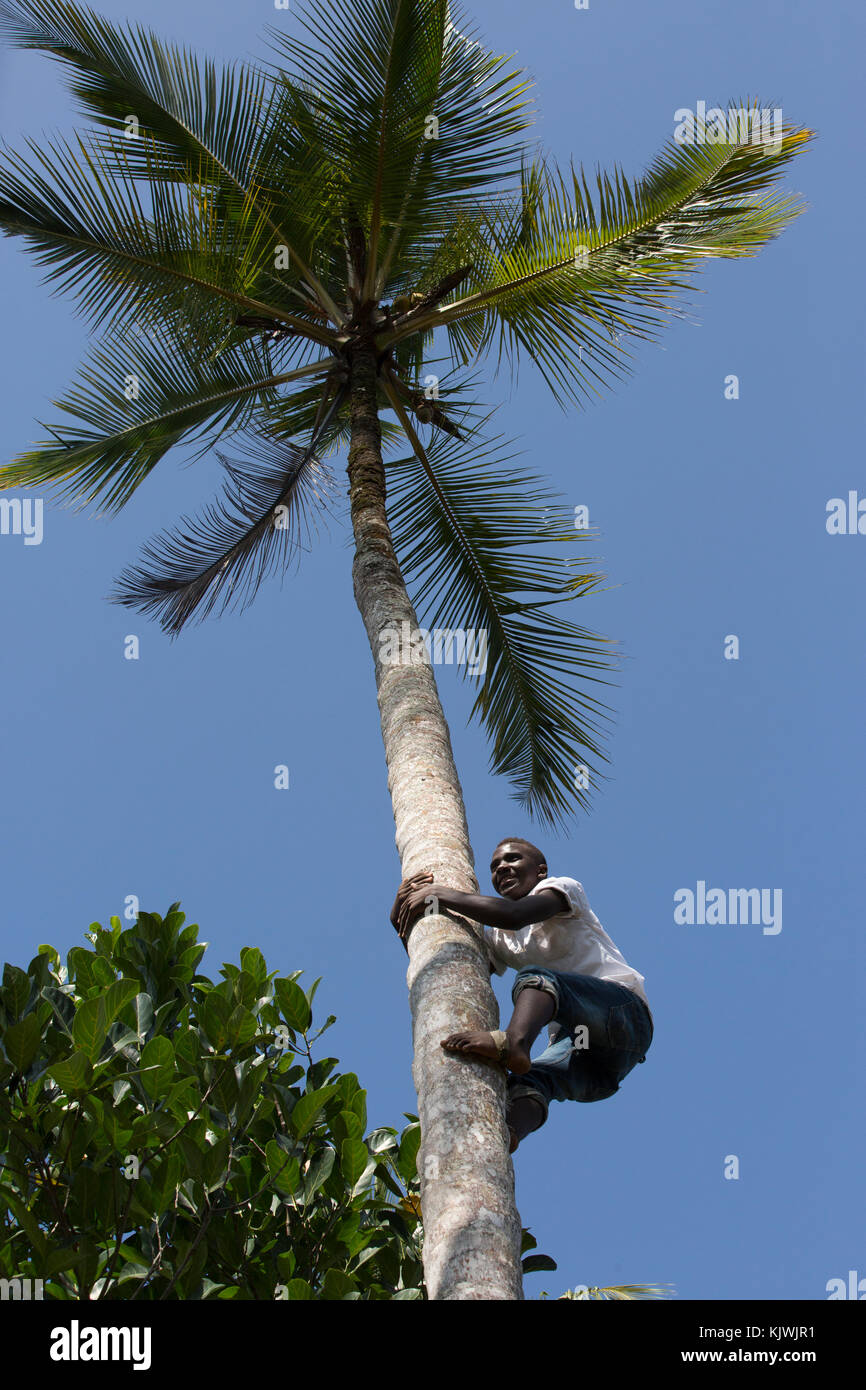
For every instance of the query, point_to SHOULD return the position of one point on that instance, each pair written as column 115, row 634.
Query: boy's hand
column 409, row 903
column 409, row 885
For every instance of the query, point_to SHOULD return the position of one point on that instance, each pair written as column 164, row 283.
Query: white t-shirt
column 572, row 942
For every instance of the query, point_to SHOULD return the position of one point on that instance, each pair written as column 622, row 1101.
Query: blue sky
column 155, row 777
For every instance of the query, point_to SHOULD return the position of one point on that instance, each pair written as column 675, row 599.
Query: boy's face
column 515, row 871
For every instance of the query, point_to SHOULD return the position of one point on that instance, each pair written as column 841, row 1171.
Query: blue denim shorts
column 600, row 1030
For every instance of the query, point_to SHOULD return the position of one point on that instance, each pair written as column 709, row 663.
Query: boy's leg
column 597, row 1043
column 525, row 1114
column 599, row 1031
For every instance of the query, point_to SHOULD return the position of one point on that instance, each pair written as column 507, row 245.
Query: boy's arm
column 505, row 913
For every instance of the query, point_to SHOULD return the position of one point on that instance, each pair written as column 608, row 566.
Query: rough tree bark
column 471, row 1224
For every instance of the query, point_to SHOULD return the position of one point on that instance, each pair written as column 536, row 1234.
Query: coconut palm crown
column 251, row 242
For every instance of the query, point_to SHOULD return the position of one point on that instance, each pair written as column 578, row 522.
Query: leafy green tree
column 163, row 1136
column 278, row 253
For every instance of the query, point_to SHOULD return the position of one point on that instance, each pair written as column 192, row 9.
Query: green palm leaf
column 84, row 218
column 560, row 272
column 474, row 543
column 222, row 123
column 617, row 1292
column 254, row 529
column 136, row 407
column 380, row 71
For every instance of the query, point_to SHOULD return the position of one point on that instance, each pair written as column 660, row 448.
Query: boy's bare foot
column 499, row 1048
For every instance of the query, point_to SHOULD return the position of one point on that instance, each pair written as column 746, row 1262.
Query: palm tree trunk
column 471, row 1224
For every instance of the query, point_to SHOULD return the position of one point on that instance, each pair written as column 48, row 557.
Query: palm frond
column 376, row 78
column 137, row 404
column 617, row 1292
column 116, row 70
column 472, row 539
column 219, row 121
column 85, row 220
column 254, row 529
column 562, row 273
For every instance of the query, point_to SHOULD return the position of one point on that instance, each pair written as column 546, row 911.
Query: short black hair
column 539, row 854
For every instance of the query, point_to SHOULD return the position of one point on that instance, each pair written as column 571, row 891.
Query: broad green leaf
column 215, row 1160
column 254, row 962
column 348, row 1086
column 120, row 1089
column 211, row 1290
column 16, row 989
column 122, row 1037
column 337, row 1285
column 103, row 970
column 142, row 1014
column 294, row 1004
column 353, row 1160
column 318, row 1073
column 382, row 1139
column 90, row 1027
column 21, row 1042
column 241, row 1026
column 189, row 1048
column 383, row 1176
column 165, row 1181
column 358, row 1103
column 284, row 1169
column 187, row 962
column 63, row 1008
column 117, row 1132
column 347, row 1125
column 134, row 1256
column 407, row 1157
column 117, row 996
column 215, row 1013
column 184, row 1095
column 73, row 1074
column 157, row 1065
column 79, row 963
column 308, row 1109
column 320, row 1169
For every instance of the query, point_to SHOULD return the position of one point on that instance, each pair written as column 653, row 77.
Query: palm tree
column 274, row 253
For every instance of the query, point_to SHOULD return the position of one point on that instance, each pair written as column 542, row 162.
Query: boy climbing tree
column 570, row 976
